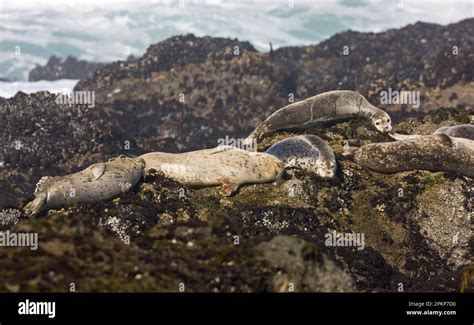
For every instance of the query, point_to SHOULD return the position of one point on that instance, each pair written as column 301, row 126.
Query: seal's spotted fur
column 227, row 166
column 308, row 153
column 98, row 182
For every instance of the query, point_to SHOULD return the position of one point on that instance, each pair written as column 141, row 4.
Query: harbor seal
column 308, row 153
column 226, row 166
column 458, row 131
column 329, row 107
column 436, row 153
column 98, row 182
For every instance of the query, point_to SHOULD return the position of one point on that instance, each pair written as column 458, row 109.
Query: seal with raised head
column 330, row 107
column 458, row 131
column 436, row 153
column 308, row 153
column 226, row 166
column 98, row 182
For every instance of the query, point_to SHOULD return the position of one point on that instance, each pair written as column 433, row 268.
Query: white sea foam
column 63, row 86
column 109, row 30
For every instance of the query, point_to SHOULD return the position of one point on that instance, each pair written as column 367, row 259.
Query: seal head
column 381, row 121
column 350, row 102
column 307, row 153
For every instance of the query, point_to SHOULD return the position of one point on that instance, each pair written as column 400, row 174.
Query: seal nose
column 328, row 175
column 325, row 172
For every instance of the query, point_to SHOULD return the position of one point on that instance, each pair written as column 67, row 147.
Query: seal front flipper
column 97, row 170
column 227, row 187
column 445, row 139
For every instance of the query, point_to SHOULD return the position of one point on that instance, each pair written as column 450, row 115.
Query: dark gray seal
column 332, row 106
column 308, row 153
column 465, row 131
column 438, row 152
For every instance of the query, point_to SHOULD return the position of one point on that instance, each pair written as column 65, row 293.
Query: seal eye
column 377, row 123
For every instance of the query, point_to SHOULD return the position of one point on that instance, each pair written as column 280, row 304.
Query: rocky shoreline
column 69, row 68
column 187, row 92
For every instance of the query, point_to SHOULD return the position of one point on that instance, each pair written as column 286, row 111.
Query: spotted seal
column 329, row 107
column 98, row 182
column 226, row 166
column 438, row 152
column 458, row 131
column 308, row 153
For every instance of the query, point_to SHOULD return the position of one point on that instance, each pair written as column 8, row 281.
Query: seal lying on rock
column 458, row 131
column 435, row 153
column 332, row 106
column 226, row 166
column 98, row 182
column 308, row 153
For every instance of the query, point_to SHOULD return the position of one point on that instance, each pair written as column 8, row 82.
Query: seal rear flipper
column 36, row 206
column 227, row 187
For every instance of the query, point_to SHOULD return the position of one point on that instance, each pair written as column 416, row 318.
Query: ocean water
column 108, row 30
column 9, row 89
